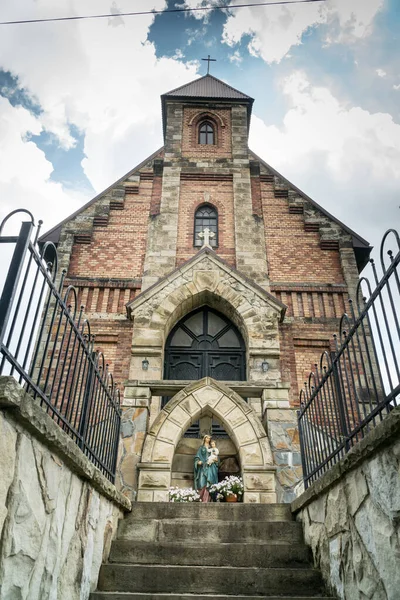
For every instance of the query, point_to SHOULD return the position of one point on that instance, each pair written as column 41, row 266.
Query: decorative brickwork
column 295, row 255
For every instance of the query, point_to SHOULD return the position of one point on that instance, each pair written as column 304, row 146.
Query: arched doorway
column 157, row 471
column 205, row 344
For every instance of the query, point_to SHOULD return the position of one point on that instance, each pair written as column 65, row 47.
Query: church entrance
column 204, row 344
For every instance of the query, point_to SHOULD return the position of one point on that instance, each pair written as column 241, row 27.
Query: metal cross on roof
column 208, row 59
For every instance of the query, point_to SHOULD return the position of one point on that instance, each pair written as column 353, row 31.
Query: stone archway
column 206, row 280
column 239, row 420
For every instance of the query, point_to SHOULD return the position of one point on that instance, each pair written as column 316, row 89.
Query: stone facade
column 58, row 513
column 351, row 517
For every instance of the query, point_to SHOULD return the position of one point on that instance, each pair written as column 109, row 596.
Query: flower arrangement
column 183, row 495
column 230, row 486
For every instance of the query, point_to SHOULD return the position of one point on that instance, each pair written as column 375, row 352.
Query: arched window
column 206, row 217
column 206, row 133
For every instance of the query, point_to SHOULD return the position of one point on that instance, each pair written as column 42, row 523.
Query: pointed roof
column 208, row 87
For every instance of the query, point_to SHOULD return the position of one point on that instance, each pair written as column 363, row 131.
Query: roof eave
column 53, row 234
column 362, row 248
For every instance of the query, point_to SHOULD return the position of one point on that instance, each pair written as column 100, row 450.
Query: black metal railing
column 357, row 382
column 47, row 345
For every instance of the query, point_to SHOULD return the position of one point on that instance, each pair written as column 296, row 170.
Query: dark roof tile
column 208, row 87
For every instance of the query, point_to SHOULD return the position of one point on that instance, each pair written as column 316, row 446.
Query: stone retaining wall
column 351, row 517
column 58, row 513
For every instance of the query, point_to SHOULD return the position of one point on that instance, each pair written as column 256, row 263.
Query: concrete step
column 210, row 511
column 167, row 596
column 210, row 580
column 269, row 554
column 203, row 531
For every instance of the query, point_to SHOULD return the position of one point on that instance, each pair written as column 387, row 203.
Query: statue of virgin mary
column 204, row 474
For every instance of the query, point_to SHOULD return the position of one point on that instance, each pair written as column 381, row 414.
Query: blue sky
column 79, row 101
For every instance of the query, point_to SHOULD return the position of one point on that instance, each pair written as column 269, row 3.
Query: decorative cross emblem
column 208, row 59
column 206, row 235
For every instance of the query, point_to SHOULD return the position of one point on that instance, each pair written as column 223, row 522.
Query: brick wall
column 118, row 248
column 193, row 194
column 114, row 339
column 293, row 254
column 266, row 229
column 301, row 347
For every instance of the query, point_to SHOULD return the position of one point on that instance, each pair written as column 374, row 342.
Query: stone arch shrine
column 212, row 285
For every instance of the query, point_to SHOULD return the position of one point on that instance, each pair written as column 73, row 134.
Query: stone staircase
column 205, row 551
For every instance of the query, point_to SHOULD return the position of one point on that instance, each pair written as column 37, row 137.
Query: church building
column 212, row 285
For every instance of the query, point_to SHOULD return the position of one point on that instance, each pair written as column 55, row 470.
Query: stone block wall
column 58, row 513
column 136, row 405
column 280, row 422
column 351, row 517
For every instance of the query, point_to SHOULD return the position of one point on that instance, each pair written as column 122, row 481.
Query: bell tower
column 206, row 160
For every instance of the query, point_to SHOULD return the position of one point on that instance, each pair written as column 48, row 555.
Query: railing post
column 13, row 275
column 340, row 402
column 116, row 442
column 302, row 450
column 87, row 399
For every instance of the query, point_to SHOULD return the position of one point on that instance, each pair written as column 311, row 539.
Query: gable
column 206, row 271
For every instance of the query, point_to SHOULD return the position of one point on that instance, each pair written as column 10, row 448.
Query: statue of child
column 213, row 453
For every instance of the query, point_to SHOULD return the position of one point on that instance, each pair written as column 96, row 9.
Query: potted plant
column 229, row 489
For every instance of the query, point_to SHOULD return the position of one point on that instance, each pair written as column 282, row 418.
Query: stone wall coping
column 259, row 469
column 26, row 411
column 380, row 436
column 246, row 389
column 154, row 466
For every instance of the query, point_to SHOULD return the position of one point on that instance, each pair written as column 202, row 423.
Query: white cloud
column 105, row 80
column 200, row 14
column 396, row 87
column 275, row 29
column 381, row 73
column 235, row 57
column 25, row 172
column 344, row 157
